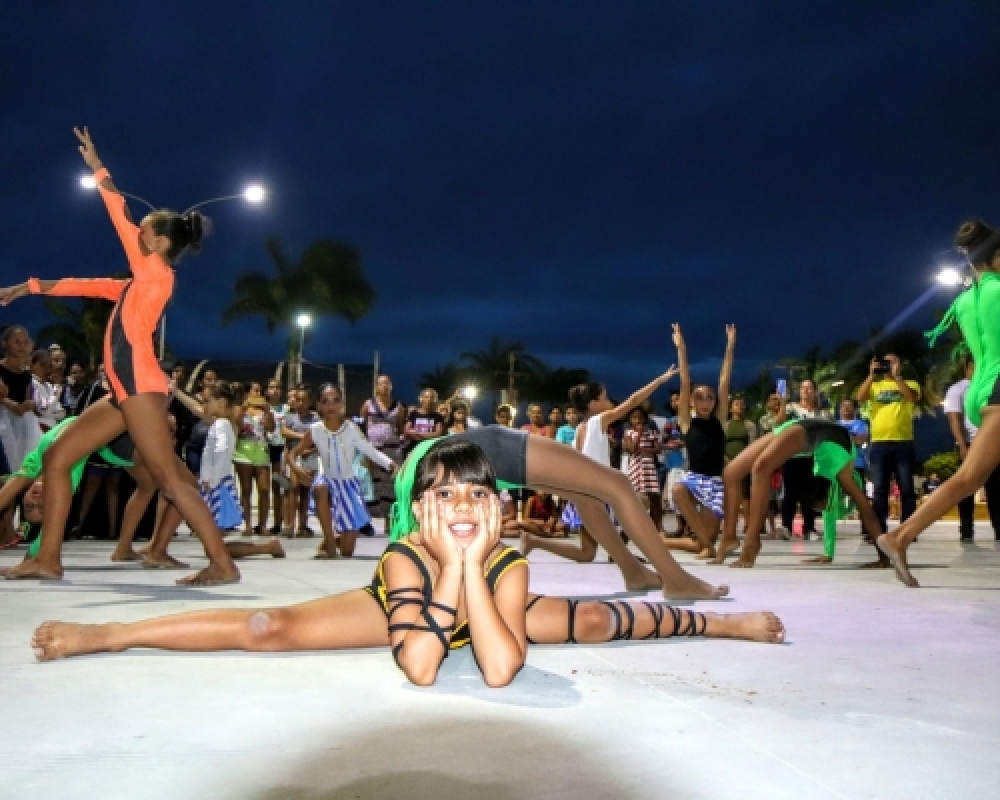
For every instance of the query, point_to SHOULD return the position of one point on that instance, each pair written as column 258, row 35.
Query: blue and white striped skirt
column 347, row 503
column 224, row 503
column 571, row 517
column 706, row 489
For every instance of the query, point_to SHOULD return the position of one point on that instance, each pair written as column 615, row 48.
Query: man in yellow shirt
column 892, row 401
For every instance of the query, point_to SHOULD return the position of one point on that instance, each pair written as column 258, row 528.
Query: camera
column 882, row 368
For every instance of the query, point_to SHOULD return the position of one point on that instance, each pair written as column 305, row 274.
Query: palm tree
column 328, row 279
column 80, row 328
column 492, row 367
column 545, row 384
column 445, row 379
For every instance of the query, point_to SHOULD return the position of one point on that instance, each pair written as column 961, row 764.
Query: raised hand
column 87, row 149
column 12, row 293
column 666, row 376
column 731, row 334
column 434, row 533
column 678, row 337
column 489, row 526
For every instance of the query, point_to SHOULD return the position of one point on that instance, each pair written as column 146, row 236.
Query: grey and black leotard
column 505, row 449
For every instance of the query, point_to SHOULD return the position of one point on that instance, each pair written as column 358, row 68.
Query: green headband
column 402, row 520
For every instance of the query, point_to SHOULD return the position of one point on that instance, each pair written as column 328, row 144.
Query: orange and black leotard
column 496, row 567
column 129, row 359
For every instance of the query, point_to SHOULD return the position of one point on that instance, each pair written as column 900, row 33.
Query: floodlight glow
column 469, row 392
column 254, row 194
column 949, row 276
column 303, row 321
column 88, row 182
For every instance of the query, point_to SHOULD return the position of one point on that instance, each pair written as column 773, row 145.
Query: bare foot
column 128, row 555
column 53, row 640
column 275, row 549
column 212, row 575
column 817, row 560
column 748, row 556
column 725, row 549
column 157, row 561
column 888, row 544
column 755, row 626
column 691, row 588
column 882, row 562
column 642, row 582
column 32, row 569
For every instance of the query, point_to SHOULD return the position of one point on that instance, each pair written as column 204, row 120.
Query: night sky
column 572, row 175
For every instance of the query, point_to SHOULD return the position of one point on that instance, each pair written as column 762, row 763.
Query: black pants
column 796, row 475
column 967, row 507
column 885, row 460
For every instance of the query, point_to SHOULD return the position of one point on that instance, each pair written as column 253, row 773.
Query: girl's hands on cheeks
column 489, row 526
column 434, row 533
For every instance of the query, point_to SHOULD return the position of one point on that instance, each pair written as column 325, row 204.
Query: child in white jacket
column 338, row 501
column 216, row 478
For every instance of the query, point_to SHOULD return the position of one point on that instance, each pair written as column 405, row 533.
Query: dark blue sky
column 572, row 175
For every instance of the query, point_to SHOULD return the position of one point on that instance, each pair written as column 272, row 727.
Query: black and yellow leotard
column 495, row 569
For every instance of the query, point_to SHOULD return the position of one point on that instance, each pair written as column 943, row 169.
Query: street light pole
column 303, row 321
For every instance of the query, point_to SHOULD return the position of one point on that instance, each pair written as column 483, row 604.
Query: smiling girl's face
column 461, row 506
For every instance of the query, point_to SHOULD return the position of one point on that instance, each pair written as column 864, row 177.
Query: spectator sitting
column 932, row 483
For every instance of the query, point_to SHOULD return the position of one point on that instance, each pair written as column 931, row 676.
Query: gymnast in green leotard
column 977, row 312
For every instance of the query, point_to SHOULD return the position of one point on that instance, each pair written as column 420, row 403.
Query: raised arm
column 106, row 288
column 637, row 399
column 865, row 389
column 362, row 445
column 187, row 400
column 113, row 200
column 684, row 401
column 304, row 446
column 726, row 375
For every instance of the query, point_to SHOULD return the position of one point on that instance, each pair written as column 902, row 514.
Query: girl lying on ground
column 446, row 583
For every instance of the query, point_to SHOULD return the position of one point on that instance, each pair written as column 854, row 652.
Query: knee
column 267, row 628
column 679, row 491
column 593, row 623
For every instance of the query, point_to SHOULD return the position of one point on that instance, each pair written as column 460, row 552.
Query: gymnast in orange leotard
column 139, row 386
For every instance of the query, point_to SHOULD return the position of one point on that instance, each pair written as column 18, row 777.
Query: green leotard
column 31, row 467
column 829, row 460
column 977, row 312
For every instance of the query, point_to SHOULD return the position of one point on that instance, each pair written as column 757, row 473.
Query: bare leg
column 111, row 483
column 98, row 425
column 565, row 471
column 597, row 523
column 349, row 620
column 271, row 548
column 324, row 513
column 244, row 474
column 983, row 458
column 766, row 459
column 346, row 542
column 135, row 508
column 262, row 476
column 703, row 522
column 147, row 424
column 732, row 480
column 656, row 510
column 583, row 552
column 556, row 620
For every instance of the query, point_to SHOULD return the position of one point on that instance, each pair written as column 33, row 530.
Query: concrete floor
column 880, row 692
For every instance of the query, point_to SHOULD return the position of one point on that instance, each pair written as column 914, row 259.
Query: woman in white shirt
column 336, row 495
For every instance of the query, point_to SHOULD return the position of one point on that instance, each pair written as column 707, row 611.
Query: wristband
column 34, row 287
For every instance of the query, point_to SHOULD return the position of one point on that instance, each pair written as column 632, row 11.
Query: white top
column 336, row 449
column 47, row 406
column 217, row 457
column 595, row 444
column 954, row 403
column 278, row 411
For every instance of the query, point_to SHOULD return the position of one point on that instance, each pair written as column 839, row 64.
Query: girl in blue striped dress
column 336, row 496
column 216, row 477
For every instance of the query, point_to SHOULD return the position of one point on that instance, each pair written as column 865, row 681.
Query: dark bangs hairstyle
column 461, row 461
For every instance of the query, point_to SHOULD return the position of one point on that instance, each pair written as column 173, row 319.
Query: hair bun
column 197, row 226
column 972, row 233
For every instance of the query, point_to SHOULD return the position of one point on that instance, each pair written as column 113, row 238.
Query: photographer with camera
column 891, row 405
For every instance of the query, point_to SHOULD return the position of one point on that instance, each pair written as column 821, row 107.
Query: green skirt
column 253, row 452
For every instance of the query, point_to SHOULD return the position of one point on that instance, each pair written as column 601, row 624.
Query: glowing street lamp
column 303, row 321
column 88, row 182
column 950, row 277
column 470, row 392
